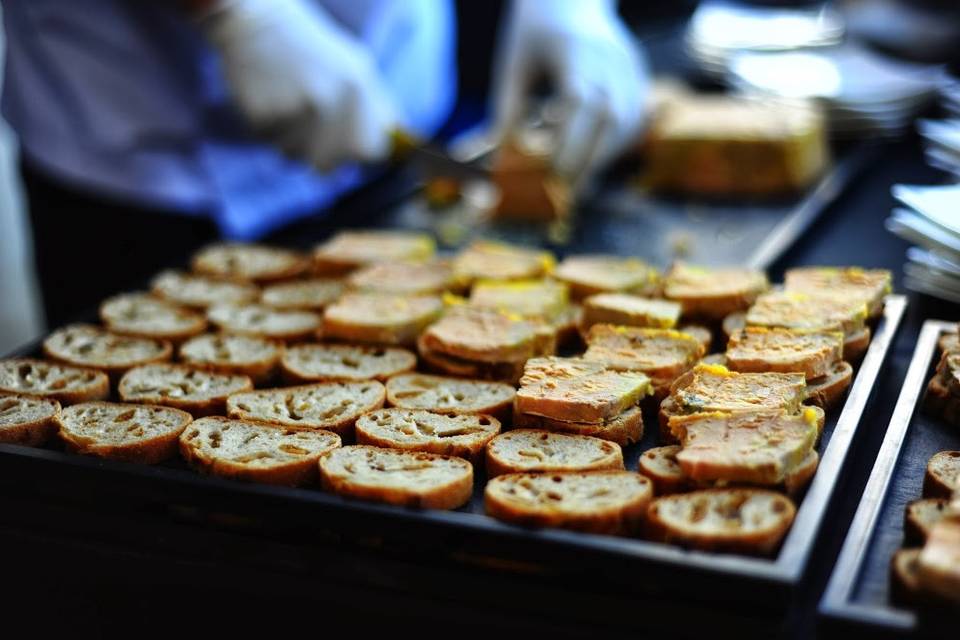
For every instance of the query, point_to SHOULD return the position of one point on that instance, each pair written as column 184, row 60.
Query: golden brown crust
column 939, row 402
column 713, row 293
column 27, row 420
column 855, row 346
column 827, row 392
column 919, row 518
column 481, row 335
column 63, row 383
column 202, row 393
column 661, row 466
column 446, row 365
column 942, row 477
column 461, row 435
column 86, row 345
column 536, row 451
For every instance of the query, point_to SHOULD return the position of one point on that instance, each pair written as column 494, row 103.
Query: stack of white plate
column 862, row 93
column 718, row 31
column 942, row 137
column 930, row 218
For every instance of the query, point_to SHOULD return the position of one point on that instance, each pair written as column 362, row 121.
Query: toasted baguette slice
column 798, row 478
column 255, row 452
column 610, row 502
column 759, row 349
column 264, row 322
column 904, row 581
column 442, row 394
column 949, row 343
column 482, row 335
column 233, row 354
column 716, row 388
column 201, row 292
column 543, row 299
column 659, row 353
column 249, row 262
column 406, row 478
column 749, row 521
column 464, row 435
column 497, row 261
column 405, row 278
column 941, row 403
column 810, row 311
column 627, row 310
column 752, row 448
column 130, row 432
column 535, row 451
column 352, row 249
column 948, row 372
column 576, row 390
column 623, row 429
column 713, row 293
column 508, row 372
column 27, row 420
column 588, row 275
column 202, row 393
column 943, row 475
column 66, row 385
column 380, row 318
column 313, row 294
column 661, row 466
column 919, row 518
column 86, row 345
column 867, row 285
column 140, row 314
column 333, row 406
column 938, row 568
column 826, row 392
column 345, row 363
column 855, row 346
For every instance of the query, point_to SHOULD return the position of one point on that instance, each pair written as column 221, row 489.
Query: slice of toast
column 202, row 393
column 855, row 346
column 919, row 518
column 810, row 311
column 628, row 310
column 759, row 349
column 938, row 568
column 345, row 363
column 668, row 410
column 535, row 451
column 65, row 384
column 313, row 294
column 659, row 353
column 942, row 477
column 333, row 406
column 713, row 293
column 27, row 420
column 141, row 314
column 255, row 452
column 481, row 335
column 265, row 322
column 904, row 582
column 826, row 392
column 575, row 390
column 590, row 274
column 405, row 278
column 130, row 432
column 661, row 466
column 86, row 345
column 715, row 388
column 406, row 478
column 624, row 429
column 354, row 248
column 200, row 292
column 464, row 435
column 257, row 358
column 748, row 521
column 498, row 261
column 948, row 371
column 541, row 299
column 380, row 318
column 939, row 402
column 443, row 394
column 443, row 364
column 868, row 285
column 259, row 263
column 610, row 502
column 751, row 448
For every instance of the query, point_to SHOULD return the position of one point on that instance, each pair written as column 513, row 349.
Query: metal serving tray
column 857, row 595
column 660, row 578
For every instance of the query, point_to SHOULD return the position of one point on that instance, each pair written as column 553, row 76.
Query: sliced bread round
column 536, row 451
column 463, row 435
column 86, row 345
column 919, row 518
column 141, row 314
column 345, row 363
column 406, row 478
column 201, row 292
column 624, row 429
column 611, row 502
column 827, row 391
column 315, row 293
column 264, row 322
column 65, row 384
column 202, row 393
column 249, row 262
column 233, row 354
column 943, row 475
column 27, row 420
column 450, row 395
column 380, row 318
column 661, row 466
column 408, row 278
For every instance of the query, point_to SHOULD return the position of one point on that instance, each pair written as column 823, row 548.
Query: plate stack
column 930, row 219
column 942, row 137
column 863, row 94
column 718, row 31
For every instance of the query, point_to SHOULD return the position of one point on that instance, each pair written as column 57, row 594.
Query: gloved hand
column 597, row 71
column 302, row 82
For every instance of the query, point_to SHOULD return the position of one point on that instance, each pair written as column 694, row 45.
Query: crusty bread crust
column 919, row 518
column 333, row 406
column 749, row 521
column 609, row 502
column 623, row 429
column 535, row 451
column 942, row 477
column 379, row 318
column 354, row 248
column 27, row 420
column 145, row 316
column 826, row 392
column 661, row 466
column 65, row 384
column 410, row 479
column 587, row 275
column 86, row 345
column 202, row 393
column 939, row 402
column 255, row 452
column 200, row 292
column 464, row 435
column 443, row 394
column 855, row 346
column 254, row 262
column 713, row 294
column 313, row 294
column 265, row 322
column 129, row 432
column 345, row 363
column 233, row 354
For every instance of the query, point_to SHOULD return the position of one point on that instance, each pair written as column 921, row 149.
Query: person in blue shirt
column 148, row 128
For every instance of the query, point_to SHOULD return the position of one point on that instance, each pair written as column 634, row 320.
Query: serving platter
column 858, row 593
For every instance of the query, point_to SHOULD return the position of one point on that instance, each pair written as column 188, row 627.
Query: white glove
column 596, row 68
column 302, row 81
